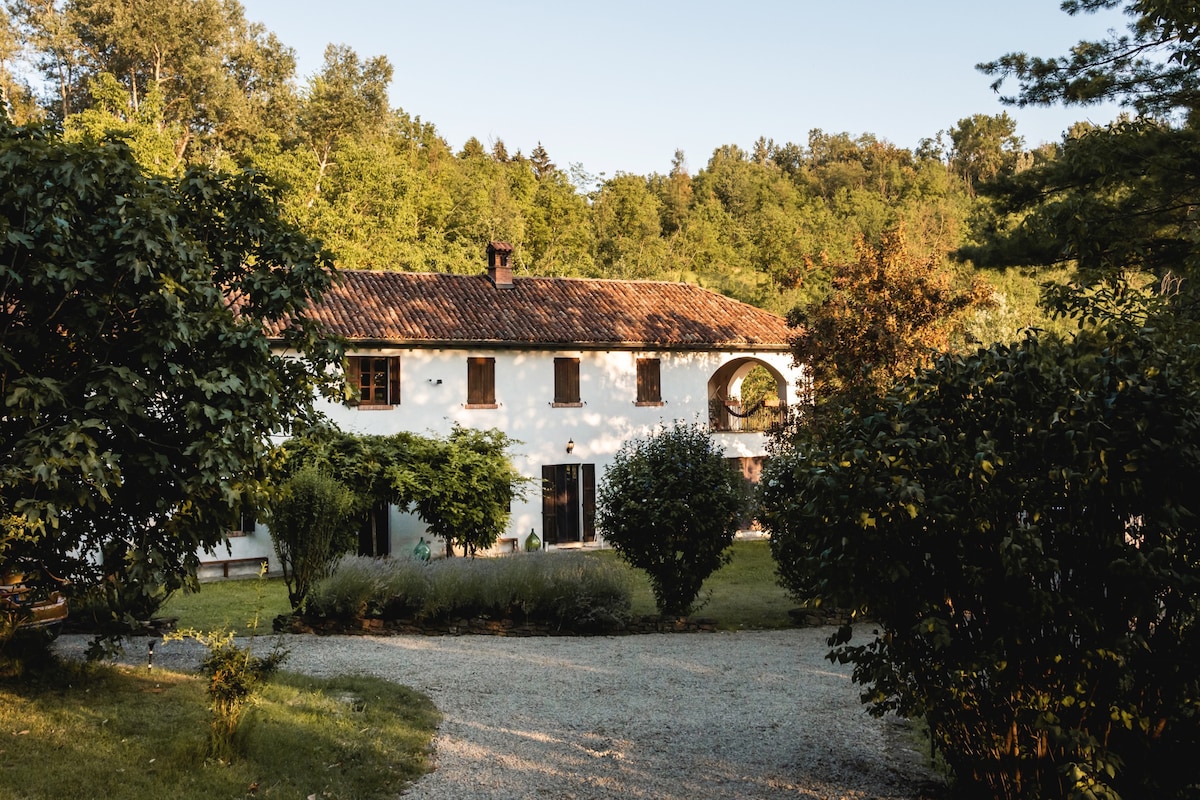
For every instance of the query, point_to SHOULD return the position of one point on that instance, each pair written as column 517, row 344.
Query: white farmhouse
column 569, row 367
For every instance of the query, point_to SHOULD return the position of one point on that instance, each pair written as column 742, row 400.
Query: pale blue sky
column 618, row 85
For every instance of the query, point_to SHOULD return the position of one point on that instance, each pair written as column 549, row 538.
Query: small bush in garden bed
column 568, row 590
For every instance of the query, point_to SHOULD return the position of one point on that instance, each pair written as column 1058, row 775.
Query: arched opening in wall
column 746, row 395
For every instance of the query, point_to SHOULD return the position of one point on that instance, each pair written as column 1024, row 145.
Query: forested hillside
column 195, row 82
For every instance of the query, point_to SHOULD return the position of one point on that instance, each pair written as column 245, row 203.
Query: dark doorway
column 568, row 503
column 374, row 537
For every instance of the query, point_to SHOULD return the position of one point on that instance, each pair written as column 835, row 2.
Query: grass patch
column 121, row 732
column 742, row 595
column 229, row 605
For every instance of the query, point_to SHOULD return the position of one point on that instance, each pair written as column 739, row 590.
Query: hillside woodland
column 193, row 82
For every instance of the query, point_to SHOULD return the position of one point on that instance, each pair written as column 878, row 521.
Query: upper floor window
column 376, row 379
column 481, row 382
column 566, row 381
column 649, row 385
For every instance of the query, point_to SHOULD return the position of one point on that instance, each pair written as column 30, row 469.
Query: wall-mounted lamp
column 570, row 446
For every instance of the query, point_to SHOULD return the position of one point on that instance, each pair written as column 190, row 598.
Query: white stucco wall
column 434, row 395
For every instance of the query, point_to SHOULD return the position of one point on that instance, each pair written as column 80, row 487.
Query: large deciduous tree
column 139, row 385
column 347, row 99
column 219, row 79
column 887, row 314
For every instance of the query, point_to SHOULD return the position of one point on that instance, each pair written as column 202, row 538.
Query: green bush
column 569, row 590
column 670, row 505
column 1020, row 525
column 310, row 521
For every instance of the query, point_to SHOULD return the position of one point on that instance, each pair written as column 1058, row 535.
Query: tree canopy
column 1116, row 197
column 139, row 385
column 888, row 313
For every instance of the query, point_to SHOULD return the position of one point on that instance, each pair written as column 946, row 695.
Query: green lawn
column 128, row 733
column 742, row 595
column 229, row 605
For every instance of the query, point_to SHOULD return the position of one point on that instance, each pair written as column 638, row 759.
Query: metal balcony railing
column 731, row 417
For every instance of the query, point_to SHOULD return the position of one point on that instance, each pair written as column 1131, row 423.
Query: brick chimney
column 499, row 271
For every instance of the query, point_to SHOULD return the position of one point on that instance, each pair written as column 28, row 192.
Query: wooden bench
column 507, row 541
column 260, row 561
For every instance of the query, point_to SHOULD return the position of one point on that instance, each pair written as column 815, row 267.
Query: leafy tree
column 558, row 229
column 628, row 228
column 461, row 487
column 139, row 385
column 1117, row 197
column 310, row 521
column 150, row 139
column 1020, row 526
column 346, row 99
column 218, row 77
column 887, row 314
column 45, row 28
column 15, row 93
column 670, row 505
column 983, row 146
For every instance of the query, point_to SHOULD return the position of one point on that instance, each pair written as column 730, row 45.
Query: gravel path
column 757, row 715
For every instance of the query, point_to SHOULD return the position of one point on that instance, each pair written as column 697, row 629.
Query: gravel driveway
column 673, row 717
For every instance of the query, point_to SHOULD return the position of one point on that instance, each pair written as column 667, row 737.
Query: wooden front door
column 568, row 503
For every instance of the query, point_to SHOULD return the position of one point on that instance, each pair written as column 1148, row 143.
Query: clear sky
column 619, row 85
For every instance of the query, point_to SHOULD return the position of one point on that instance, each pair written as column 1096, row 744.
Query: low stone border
column 487, row 627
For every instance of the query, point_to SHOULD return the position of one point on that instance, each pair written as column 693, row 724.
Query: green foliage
column 235, row 676
column 983, row 147
column 222, row 79
column 310, row 522
column 886, row 315
column 670, row 505
column 1020, row 524
column 460, row 486
column 192, row 82
column 569, row 590
column 1110, row 198
column 139, row 385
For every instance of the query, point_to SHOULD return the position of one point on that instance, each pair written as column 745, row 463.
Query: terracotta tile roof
column 427, row 308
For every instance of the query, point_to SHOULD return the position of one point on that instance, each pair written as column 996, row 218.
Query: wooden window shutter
column 649, row 387
column 566, row 380
column 549, row 505
column 589, row 502
column 394, row 380
column 481, row 381
column 353, row 376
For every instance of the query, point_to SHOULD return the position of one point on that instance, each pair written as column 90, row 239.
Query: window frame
column 391, row 382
